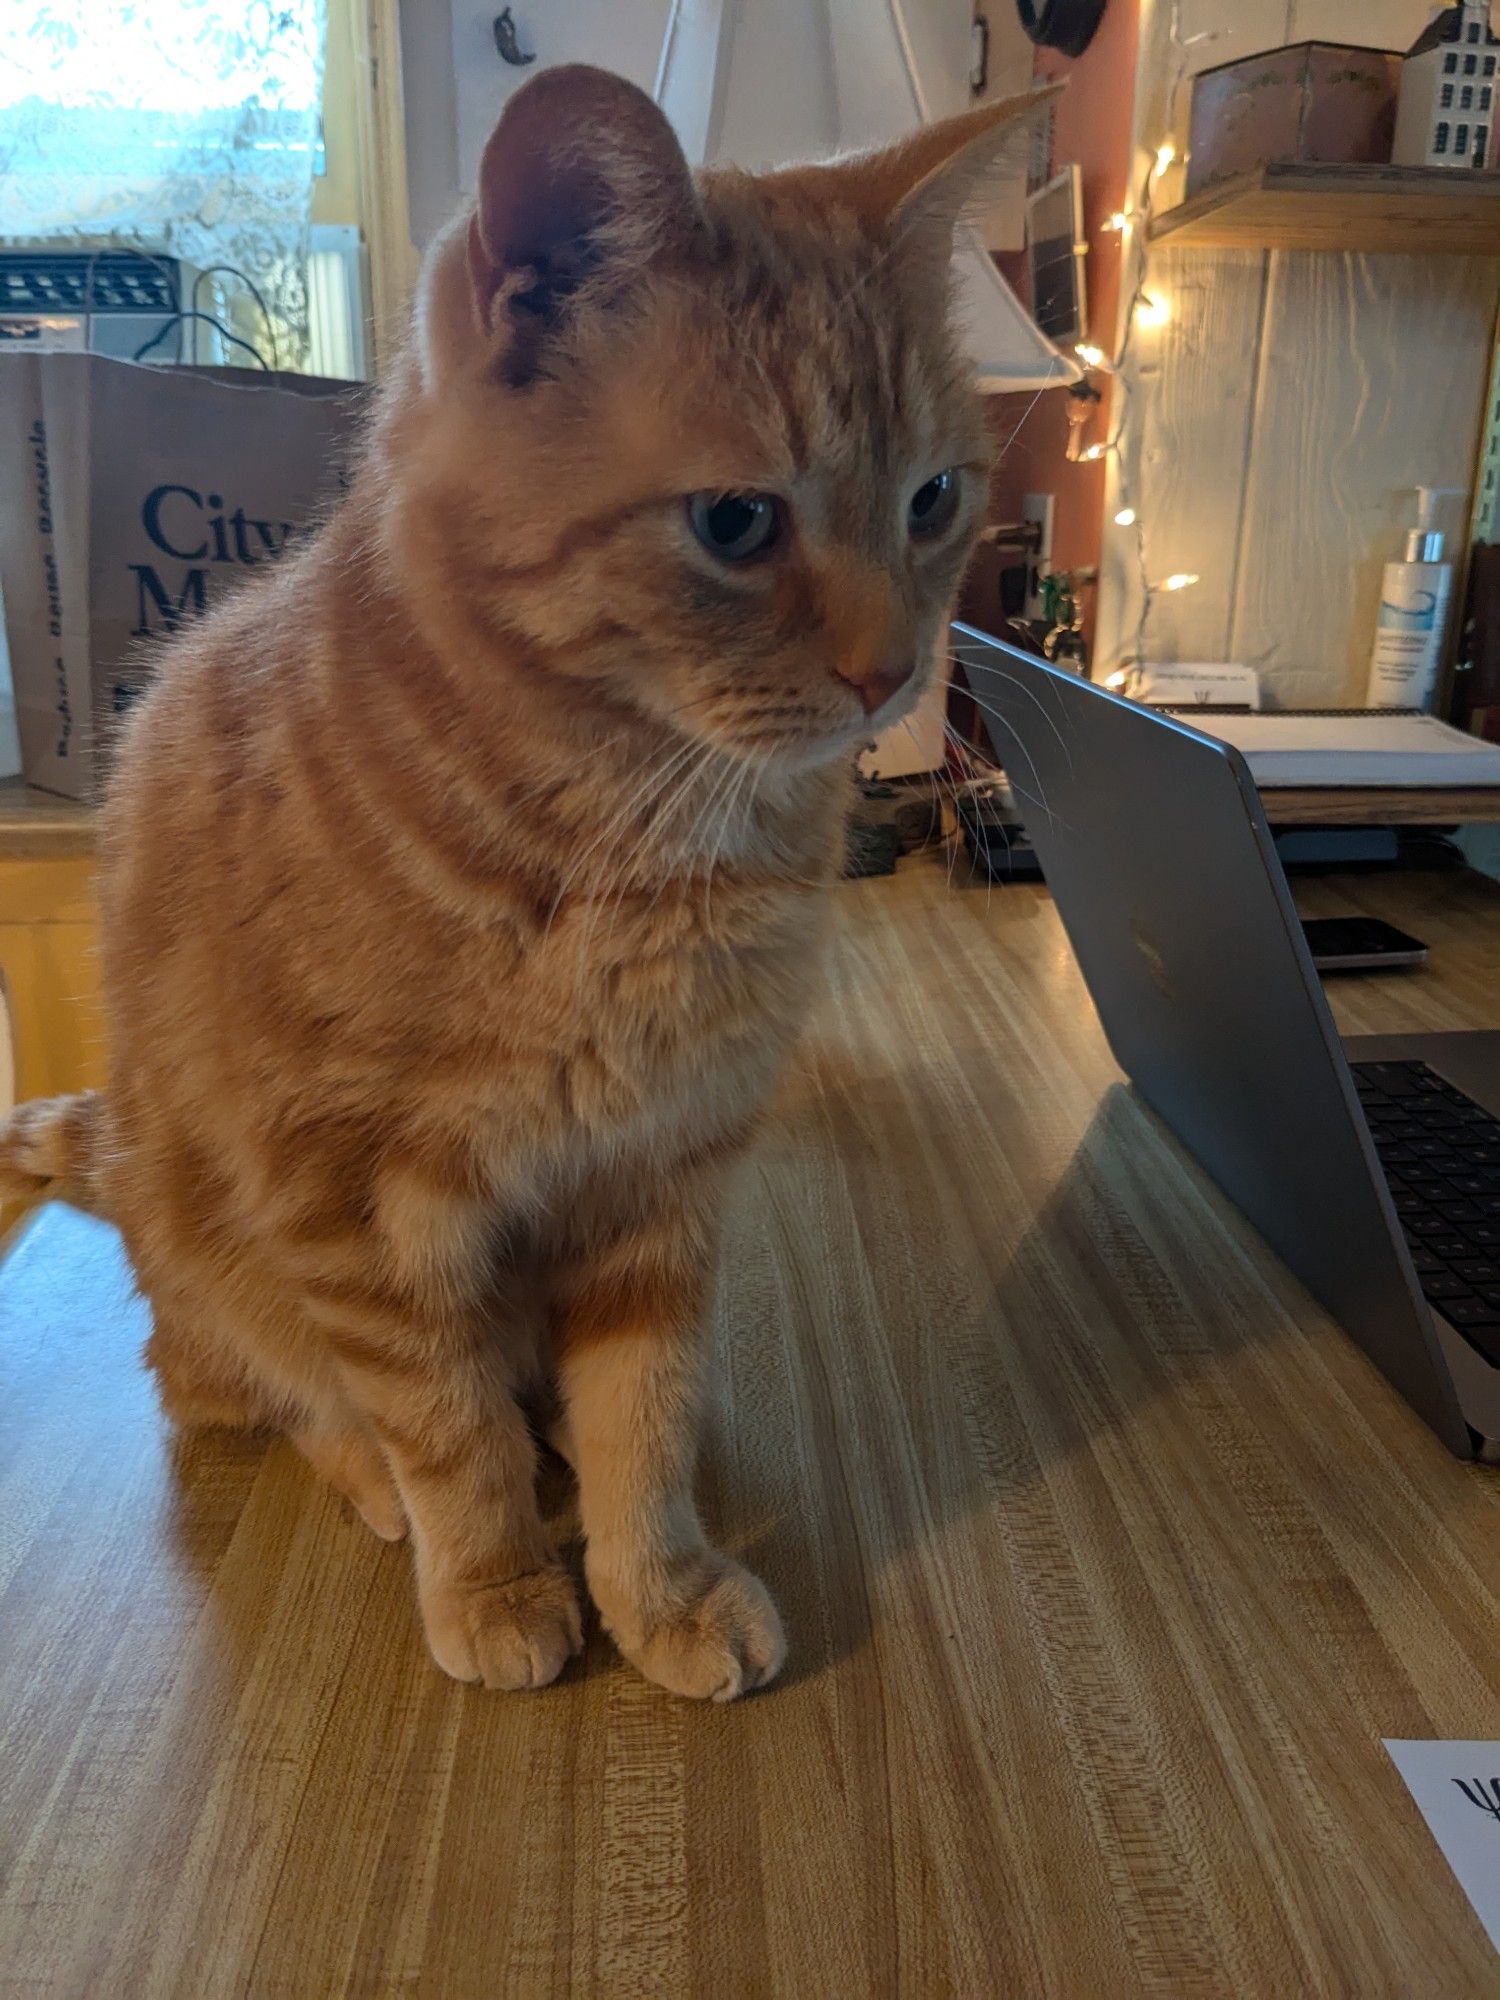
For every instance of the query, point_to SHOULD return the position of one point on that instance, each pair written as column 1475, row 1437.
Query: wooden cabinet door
column 48, row 962
column 50, row 975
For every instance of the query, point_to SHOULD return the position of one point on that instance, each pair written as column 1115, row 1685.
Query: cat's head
column 707, row 444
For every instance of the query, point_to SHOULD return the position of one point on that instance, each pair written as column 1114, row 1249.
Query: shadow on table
column 960, row 1313
column 915, row 1320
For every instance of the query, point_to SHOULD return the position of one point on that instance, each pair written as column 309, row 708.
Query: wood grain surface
column 1106, row 1560
column 1427, row 211
column 40, row 826
column 1374, row 805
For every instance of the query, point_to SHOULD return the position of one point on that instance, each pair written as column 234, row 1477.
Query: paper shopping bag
column 131, row 500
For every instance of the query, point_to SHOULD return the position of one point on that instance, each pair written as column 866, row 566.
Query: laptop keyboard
column 1441, row 1154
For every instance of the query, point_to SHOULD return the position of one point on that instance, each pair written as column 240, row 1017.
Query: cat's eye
column 932, row 507
column 735, row 527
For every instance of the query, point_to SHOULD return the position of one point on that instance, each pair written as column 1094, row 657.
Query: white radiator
column 338, row 303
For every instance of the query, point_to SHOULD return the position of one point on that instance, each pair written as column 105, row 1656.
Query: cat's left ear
column 921, row 188
column 583, row 188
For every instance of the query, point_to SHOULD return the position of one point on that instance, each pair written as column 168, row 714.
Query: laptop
column 1372, row 1166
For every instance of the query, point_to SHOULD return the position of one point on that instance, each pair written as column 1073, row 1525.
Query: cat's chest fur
column 635, row 1020
column 648, row 992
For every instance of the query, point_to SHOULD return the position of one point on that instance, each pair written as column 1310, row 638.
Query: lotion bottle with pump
column 1413, row 622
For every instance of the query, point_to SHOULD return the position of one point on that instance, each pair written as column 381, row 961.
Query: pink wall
column 1093, row 128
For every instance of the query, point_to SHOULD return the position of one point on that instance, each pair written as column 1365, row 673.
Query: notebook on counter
column 1357, row 747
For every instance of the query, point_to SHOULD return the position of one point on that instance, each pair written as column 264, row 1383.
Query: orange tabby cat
column 463, row 882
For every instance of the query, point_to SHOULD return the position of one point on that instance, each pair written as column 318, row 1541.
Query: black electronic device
column 1066, row 25
column 1360, row 944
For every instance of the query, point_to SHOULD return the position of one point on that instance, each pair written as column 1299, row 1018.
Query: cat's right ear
column 583, row 188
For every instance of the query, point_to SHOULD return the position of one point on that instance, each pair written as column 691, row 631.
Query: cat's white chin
column 810, row 753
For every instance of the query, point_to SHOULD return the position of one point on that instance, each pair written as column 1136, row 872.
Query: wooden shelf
column 1435, row 211
column 36, row 826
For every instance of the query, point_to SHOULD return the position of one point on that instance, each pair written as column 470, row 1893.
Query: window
column 1471, row 65
column 1473, row 31
column 1481, row 144
column 1461, row 142
column 1486, row 98
column 193, row 132
column 1489, row 65
column 1466, row 98
column 1450, row 65
column 1447, row 96
column 1441, row 137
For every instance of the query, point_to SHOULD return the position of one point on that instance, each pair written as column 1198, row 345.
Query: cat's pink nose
column 876, row 685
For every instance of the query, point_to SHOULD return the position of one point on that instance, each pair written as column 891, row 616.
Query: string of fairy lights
column 1147, row 310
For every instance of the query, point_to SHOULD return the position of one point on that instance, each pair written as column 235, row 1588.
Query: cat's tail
column 51, row 1145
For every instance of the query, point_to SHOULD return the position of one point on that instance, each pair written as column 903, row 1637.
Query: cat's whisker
column 945, row 777
column 966, row 757
column 941, row 777
column 1003, row 450
column 610, row 890
column 936, row 795
column 1052, row 818
column 713, row 837
column 703, row 823
column 720, row 840
column 996, row 715
column 935, row 802
column 666, row 842
column 657, row 776
column 712, row 815
column 1020, row 688
column 674, row 792
column 1040, row 802
column 715, row 829
column 935, row 811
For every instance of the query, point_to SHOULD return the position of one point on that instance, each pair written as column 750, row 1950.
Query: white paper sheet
column 1457, row 1790
column 1353, row 747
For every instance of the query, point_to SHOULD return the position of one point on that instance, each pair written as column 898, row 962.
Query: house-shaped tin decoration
column 1449, row 80
column 1317, row 103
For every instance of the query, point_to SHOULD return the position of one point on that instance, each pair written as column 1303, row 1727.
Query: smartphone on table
column 1360, row 944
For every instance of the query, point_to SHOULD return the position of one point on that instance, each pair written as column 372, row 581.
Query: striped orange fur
column 464, row 880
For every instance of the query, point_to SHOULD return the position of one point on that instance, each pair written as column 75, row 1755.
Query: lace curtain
column 185, row 126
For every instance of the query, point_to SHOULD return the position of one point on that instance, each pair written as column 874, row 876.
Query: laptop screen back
column 1157, row 853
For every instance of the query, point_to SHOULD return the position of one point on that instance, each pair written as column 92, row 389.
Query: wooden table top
column 1107, row 1562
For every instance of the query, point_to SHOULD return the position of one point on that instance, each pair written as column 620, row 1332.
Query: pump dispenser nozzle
column 1425, row 543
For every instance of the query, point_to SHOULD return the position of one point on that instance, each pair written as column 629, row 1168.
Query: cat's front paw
column 519, row 1634
column 717, row 1635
